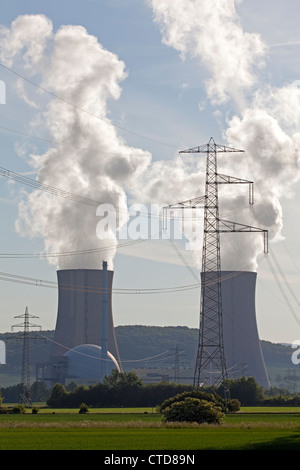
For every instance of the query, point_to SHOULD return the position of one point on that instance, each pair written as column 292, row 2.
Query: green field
column 142, row 429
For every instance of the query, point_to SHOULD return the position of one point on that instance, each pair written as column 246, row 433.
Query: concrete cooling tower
column 242, row 347
column 84, row 345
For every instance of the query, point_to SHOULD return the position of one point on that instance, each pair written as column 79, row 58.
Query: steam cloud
column 211, row 31
column 89, row 158
column 266, row 119
column 93, row 161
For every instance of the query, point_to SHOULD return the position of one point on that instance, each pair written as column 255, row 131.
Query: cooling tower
column 242, row 347
column 84, row 317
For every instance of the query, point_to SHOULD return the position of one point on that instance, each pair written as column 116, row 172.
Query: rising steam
column 92, row 160
column 89, row 158
column 266, row 119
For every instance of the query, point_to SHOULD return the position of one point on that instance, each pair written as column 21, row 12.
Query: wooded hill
column 147, row 347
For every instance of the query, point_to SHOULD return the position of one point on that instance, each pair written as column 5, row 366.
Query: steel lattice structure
column 210, row 366
column 25, row 371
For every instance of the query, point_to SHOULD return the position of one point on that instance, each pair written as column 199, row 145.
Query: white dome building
column 85, row 363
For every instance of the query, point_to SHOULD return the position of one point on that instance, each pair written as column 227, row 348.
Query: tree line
column 126, row 389
column 117, row 390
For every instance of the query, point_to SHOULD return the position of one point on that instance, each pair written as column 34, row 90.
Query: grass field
column 142, row 429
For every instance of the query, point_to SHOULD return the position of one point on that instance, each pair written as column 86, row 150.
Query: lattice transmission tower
column 177, row 357
column 25, row 370
column 210, row 369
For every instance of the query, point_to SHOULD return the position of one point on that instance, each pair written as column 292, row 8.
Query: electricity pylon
column 210, row 366
column 177, row 352
column 25, row 371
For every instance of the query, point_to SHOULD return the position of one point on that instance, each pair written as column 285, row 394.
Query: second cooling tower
column 243, row 352
column 84, row 341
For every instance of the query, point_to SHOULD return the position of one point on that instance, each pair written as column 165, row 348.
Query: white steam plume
column 93, row 161
column 90, row 159
column 210, row 31
column 266, row 123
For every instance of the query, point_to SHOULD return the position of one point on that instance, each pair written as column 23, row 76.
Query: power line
column 71, row 253
column 51, row 284
column 151, row 358
column 15, row 278
column 183, row 260
column 64, row 194
column 283, row 292
column 276, row 278
column 54, row 95
column 61, row 144
column 284, row 278
column 50, row 189
column 284, row 244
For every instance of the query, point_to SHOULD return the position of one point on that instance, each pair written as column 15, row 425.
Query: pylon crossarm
column 225, row 179
column 189, row 203
column 228, row 226
column 193, row 203
column 211, row 147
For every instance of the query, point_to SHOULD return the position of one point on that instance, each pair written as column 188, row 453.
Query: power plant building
column 84, row 348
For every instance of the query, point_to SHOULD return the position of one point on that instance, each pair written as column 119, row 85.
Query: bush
column 233, row 405
column 5, row 410
column 193, row 410
column 83, row 408
column 199, row 394
column 19, row 409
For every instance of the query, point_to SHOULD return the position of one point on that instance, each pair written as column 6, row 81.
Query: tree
column 39, row 391
column 246, row 390
column 57, row 397
column 123, row 387
column 120, row 379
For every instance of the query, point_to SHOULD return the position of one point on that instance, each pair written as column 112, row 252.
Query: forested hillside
column 143, row 347
column 156, row 346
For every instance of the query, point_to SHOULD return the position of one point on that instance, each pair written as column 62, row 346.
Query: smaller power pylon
column 176, row 376
column 177, row 352
column 25, row 371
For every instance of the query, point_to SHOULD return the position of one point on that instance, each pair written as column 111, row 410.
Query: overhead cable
column 101, row 118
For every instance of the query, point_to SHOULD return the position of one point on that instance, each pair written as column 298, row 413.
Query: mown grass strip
column 118, row 438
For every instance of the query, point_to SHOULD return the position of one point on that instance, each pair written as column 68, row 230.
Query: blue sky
column 165, row 105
